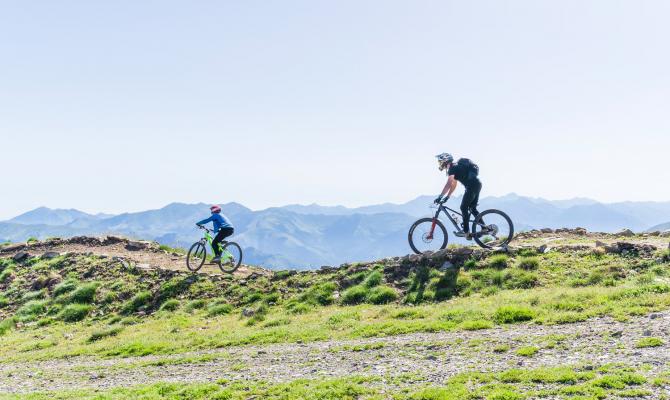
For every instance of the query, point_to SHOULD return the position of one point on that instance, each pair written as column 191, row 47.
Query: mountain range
column 308, row 236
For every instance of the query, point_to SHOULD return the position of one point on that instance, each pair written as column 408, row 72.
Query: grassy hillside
column 99, row 307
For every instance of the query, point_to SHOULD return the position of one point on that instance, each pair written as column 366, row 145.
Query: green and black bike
column 490, row 229
column 231, row 254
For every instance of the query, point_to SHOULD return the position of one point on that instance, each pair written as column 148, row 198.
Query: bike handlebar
column 202, row 227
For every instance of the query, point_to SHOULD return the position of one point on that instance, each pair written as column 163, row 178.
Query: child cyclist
column 222, row 227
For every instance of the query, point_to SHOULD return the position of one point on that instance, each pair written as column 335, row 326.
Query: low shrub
column 219, row 309
column 74, row 312
column 501, row 348
column 170, row 305
column 498, row 261
column 32, row 308
column 319, row 295
column 528, row 263
column 6, row 325
column 84, row 294
column 104, row 333
column 66, row 286
column 36, row 295
column 409, row 314
column 513, row 314
column 474, row 325
column 520, row 280
column 195, row 305
column 649, row 342
column 470, row 264
column 527, row 351
column 374, row 279
column 354, row 295
column 381, row 295
column 4, row 302
column 257, row 314
column 141, row 299
column 6, row 275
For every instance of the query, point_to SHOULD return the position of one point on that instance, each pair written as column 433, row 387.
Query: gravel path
column 432, row 357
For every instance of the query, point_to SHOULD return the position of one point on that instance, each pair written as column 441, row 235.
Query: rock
column 463, row 251
column 431, row 357
column 543, row 249
column 21, row 256
column 49, row 255
column 547, row 230
column 12, row 248
column 600, row 244
column 85, row 240
column 580, row 231
column 136, row 246
column 646, row 332
column 616, row 334
column 665, row 233
column 446, row 265
column 326, row 269
column 110, row 240
column 248, row 312
column 625, row 232
column 654, row 316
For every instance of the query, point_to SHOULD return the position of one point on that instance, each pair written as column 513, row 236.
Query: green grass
column 513, row 314
column 296, row 306
column 527, row 351
column 528, row 263
column 555, row 382
column 83, row 294
column 170, row 305
column 649, row 342
column 381, row 295
column 355, row 295
column 498, row 261
column 74, row 312
column 139, row 301
column 104, row 333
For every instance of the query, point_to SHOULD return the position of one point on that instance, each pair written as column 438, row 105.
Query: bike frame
column 209, row 239
column 445, row 209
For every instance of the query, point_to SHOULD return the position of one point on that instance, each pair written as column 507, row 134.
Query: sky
column 130, row 105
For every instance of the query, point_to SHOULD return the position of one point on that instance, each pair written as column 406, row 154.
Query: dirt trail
column 431, row 357
column 142, row 254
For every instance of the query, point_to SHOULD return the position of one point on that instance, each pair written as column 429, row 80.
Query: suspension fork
column 432, row 226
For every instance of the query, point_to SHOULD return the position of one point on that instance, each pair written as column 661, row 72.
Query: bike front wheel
column 196, row 256
column 492, row 229
column 421, row 240
column 231, row 257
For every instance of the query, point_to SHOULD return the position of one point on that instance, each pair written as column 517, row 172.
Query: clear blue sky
column 127, row 105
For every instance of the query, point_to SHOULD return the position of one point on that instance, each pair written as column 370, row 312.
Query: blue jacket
column 219, row 221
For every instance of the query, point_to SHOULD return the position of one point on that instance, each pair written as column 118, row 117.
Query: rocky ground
column 143, row 254
column 430, row 358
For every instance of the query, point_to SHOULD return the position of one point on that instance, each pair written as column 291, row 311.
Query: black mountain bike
column 490, row 229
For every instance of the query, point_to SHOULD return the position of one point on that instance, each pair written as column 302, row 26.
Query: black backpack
column 472, row 168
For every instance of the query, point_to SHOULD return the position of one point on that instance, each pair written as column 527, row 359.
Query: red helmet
column 215, row 209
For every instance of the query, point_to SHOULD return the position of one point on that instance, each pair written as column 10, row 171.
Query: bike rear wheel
column 419, row 233
column 492, row 229
column 196, row 256
column 231, row 257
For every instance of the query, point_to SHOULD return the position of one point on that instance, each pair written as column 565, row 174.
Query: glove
column 438, row 200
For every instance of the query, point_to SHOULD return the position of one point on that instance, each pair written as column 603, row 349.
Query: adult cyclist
column 222, row 227
column 466, row 172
